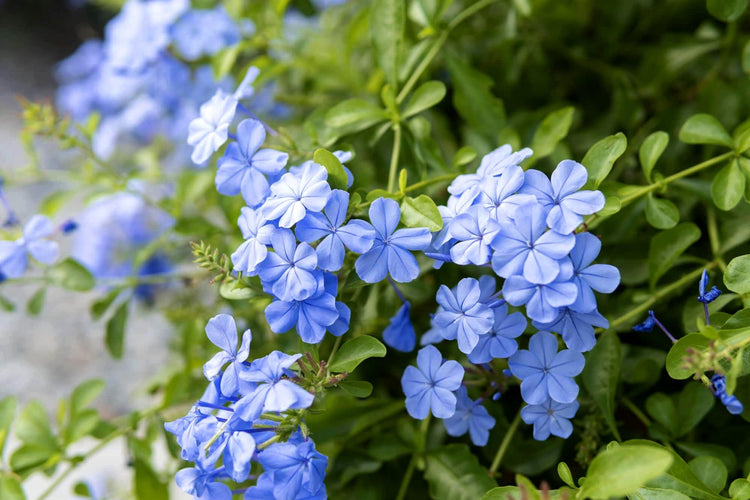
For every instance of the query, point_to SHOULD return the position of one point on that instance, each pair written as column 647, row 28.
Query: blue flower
column 275, row 392
column 648, row 325
column 561, row 196
column 576, row 328
column 470, row 416
column 201, row 484
column 202, row 32
column 430, row 387
column 296, row 193
column 222, row 332
column 210, row 130
column 499, row 197
column 399, row 334
column 357, row 235
column 291, row 271
column 523, row 246
column 544, row 372
column 390, row 250
column 719, row 388
column 543, row 302
column 462, row 316
column 600, row 277
column 498, row 342
column 493, row 164
column 704, row 296
column 550, row 417
column 311, row 316
column 257, row 234
column 244, row 166
column 13, row 259
column 473, row 231
column 297, row 468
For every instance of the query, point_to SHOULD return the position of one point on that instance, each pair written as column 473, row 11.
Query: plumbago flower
column 296, row 193
column 470, row 417
column 400, row 334
column 430, row 386
column 34, row 242
column 462, row 316
column 222, row 332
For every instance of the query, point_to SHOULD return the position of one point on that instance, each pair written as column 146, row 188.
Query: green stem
column 394, row 157
column 645, row 306
column 419, row 448
column 335, row 348
column 636, row 411
column 713, row 236
column 504, row 445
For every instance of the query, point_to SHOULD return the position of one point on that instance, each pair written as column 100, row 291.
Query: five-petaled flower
column 431, row 386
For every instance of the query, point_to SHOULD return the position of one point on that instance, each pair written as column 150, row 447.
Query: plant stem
column 713, row 236
column 418, row 450
column 335, row 348
column 636, row 411
column 394, row 157
column 504, row 444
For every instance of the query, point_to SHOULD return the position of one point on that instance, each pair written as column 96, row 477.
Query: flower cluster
column 522, row 225
column 251, row 413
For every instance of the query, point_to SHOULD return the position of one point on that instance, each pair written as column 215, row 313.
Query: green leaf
column 8, row 407
column 661, row 408
column 552, row 130
column 746, row 57
column 33, row 427
column 714, row 450
column 426, row 96
column 740, row 489
column 473, row 100
column 81, row 424
column 737, row 275
column 601, row 374
column 52, row 203
column 651, row 149
column 387, row 22
column 464, row 156
column 421, row 212
column 36, row 302
column 356, row 350
column 728, row 186
column 357, row 388
column 85, row 393
column 454, row 473
column 711, row 471
column 623, row 470
column 336, row 174
column 601, row 157
column 661, row 213
column 30, row 456
column 726, row 10
column 354, row 115
column 234, row 290
column 678, row 351
column 115, row 332
column 741, row 137
column 704, row 129
column 667, row 246
column 224, row 61
column 657, row 494
column 10, row 488
column 100, row 306
column 565, row 475
column 71, row 275
column 148, row 486
column 692, row 405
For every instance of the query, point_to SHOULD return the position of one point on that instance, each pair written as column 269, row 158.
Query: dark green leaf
column 737, row 275
column 426, row 96
column 552, row 130
column 354, row 115
column 726, row 10
column 601, row 374
column 711, row 471
column 473, row 100
column 454, row 473
column 601, row 157
column 100, row 306
column 693, row 404
column 36, row 302
column 728, row 186
column 115, row 333
column 357, row 388
column 714, row 450
column 661, row 213
column 387, row 22
column 704, row 129
column 356, row 350
column 651, row 149
column 71, row 275
column 623, row 470
column 421, row 212
column 667, row 246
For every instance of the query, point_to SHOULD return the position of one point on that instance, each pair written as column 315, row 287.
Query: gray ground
column 47, row 356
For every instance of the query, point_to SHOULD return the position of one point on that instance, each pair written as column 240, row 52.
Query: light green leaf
column 85, row 393
column 336, row 174
column 387, row 22
column 115, row 331
column 651, row 149
column 601, row 157
column 711, row 471
column 454, row 473
column 704, row 129
column 737, row 275
column 678, row 351
column 740, row 489
column 657, row 494
column 148, row 486
column 8, row 407
column 354, row 115
column 421, row 212
column 726, row 10
column 30, row 456
column 741, row 137
column 552, row 130
column 464, row 156
column 71, row 275
column 667, row 246
column 234, row 290
column 565, row 475
column 10, row 488
column 728, row 186
column 81, row 424
column 426, row 96
column 601, row 374
column 356, row 350
column 52, row 203
column 473, row 100
column 33, row 427
column 661, row 213
column 623, row 470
